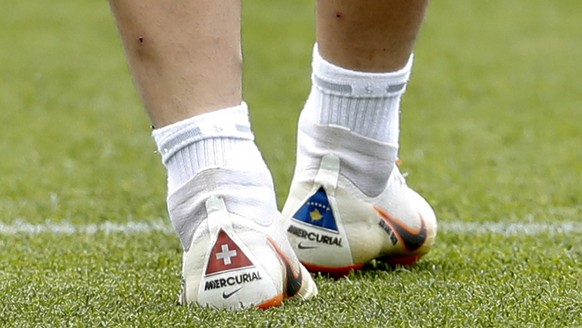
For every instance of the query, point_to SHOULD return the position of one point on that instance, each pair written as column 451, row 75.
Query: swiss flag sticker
column 226, row 255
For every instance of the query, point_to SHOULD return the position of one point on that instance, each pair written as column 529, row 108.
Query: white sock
column 209, row 140
column 354, row 115
column 367, row 104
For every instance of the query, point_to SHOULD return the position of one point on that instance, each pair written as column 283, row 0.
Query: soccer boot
column 334, row 227
column 237, row 256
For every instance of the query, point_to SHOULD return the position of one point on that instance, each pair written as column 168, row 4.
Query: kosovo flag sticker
column 317, row 212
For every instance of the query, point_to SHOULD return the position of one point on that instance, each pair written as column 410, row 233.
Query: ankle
column 210, row 140
column 366, row 104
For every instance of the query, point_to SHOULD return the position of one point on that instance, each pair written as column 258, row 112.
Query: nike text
column 387, row 228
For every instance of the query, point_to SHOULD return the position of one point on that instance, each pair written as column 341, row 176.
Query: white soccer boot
column 235, row 256
column 334, row 227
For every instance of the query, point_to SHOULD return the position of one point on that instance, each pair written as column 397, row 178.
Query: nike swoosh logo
column 226, row 295
column 412, row 239
column 301, row 246
column 294, row 279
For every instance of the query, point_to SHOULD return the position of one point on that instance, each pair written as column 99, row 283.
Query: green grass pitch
column 491, row 135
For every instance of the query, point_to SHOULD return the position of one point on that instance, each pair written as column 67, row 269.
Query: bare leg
column 368, row 35
column 185, row 56
column 346, row 179
column 186, row 60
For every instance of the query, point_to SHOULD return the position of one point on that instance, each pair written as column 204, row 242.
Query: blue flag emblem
column 317, row 212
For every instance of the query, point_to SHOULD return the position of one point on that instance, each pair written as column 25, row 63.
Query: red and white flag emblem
column 226, row 255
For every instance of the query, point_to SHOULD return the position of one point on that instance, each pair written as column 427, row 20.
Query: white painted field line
column 511, row 228
column 529, row 228
column 67, row 228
